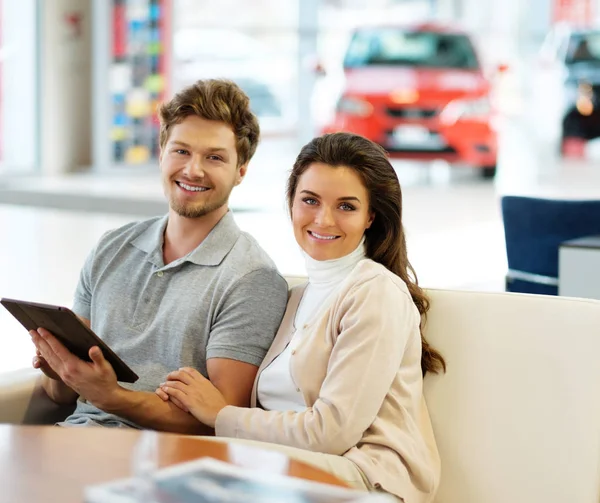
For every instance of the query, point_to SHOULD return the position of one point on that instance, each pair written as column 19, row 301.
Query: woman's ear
column 370, row 221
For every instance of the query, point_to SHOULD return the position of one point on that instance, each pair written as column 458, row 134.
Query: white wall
column 18, row 113
column 505, row 29
column 65, row 92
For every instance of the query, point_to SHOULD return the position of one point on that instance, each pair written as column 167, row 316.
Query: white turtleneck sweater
column 276, row 389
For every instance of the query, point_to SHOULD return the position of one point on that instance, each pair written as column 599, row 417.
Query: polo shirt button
column 298, row 390
column 160, row 274
column 293, row 351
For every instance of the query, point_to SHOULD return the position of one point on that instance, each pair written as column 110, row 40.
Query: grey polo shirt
column 225, row 299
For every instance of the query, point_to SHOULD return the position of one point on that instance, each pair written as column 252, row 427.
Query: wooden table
column 46, row 464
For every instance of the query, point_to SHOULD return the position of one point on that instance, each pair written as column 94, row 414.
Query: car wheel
column 488, row 172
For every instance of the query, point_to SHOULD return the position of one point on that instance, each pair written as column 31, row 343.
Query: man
column 185, row 290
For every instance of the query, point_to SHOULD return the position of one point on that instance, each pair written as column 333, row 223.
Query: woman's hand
column 191, row 391
column 167, row 398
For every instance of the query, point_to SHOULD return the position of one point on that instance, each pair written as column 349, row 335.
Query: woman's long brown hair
column 385, row 239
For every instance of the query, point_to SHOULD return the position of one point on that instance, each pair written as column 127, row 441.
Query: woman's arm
column 378, row 318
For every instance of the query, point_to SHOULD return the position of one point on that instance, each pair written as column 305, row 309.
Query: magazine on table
column 208, row 480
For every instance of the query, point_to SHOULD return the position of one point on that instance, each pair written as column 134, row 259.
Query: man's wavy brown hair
column 214, row 100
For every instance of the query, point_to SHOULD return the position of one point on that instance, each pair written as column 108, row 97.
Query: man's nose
column 194, row 167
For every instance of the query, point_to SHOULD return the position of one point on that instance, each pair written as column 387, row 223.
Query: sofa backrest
column 517, row 415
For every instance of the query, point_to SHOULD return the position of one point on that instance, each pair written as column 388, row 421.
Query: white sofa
column 517, row 415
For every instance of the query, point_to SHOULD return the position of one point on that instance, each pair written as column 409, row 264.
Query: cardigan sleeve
column 376, row 322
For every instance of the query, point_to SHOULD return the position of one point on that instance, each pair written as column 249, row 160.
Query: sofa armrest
column 24, row 401
column 16, row 390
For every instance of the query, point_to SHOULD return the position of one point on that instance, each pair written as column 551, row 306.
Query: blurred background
column 474, row 99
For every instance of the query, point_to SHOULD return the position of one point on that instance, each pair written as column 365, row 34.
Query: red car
column 420, row 92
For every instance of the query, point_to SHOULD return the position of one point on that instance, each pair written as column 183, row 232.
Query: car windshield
column 391, row 46
column 584, row 48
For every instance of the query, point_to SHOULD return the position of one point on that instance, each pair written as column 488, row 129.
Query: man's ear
column 241, row 173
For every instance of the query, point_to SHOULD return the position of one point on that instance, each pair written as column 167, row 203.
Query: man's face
column 199, row 166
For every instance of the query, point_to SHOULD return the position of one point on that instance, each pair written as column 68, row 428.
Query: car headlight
column 465, row 109
column 354, row 106
column 585, row 98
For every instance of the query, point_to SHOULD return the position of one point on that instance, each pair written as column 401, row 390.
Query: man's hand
column 41, row 364
column 191, row 391
column 95, row 380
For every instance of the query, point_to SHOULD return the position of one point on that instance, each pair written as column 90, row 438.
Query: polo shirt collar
column 210, row 252
column 218, row 243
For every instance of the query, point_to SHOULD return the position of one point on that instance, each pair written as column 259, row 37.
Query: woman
column 344, row 375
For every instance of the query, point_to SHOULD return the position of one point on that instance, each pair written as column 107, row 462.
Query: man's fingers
column 45, row 351
column 97, row 356
column 35, row 338
column 48, row 340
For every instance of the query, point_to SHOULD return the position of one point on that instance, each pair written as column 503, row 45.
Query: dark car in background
column 569, row 81
column 420, row 92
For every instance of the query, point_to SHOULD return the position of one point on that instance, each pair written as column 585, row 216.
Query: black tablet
column 68, row 329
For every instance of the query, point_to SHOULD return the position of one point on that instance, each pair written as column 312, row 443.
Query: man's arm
column 58, row 391
column 96, row 381
column 239, row 340
column 148, row 410
column 232, row 378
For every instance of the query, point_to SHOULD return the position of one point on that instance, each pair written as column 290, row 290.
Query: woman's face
column 330, row 211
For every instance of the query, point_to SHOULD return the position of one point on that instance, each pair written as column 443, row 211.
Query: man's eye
column 215, row 158
column 181, row 151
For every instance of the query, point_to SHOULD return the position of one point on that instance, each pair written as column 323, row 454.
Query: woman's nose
column 324, row 217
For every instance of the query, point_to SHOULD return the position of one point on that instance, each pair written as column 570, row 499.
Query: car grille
column 391, row 146
column 393, row 149
column 411, row 113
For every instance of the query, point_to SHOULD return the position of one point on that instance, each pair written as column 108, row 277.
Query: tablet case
column 68, row 329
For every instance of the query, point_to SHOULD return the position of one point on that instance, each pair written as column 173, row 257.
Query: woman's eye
column 347, row 207
column 310, row 201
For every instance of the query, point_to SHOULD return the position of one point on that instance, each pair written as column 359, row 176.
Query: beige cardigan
column 358, row 366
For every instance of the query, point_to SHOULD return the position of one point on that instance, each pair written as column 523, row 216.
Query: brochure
column 208, row 480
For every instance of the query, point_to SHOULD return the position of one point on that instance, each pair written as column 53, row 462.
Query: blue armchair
column 534, row 229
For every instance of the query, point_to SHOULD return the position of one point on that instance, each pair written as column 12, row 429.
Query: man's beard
column 195, row 211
